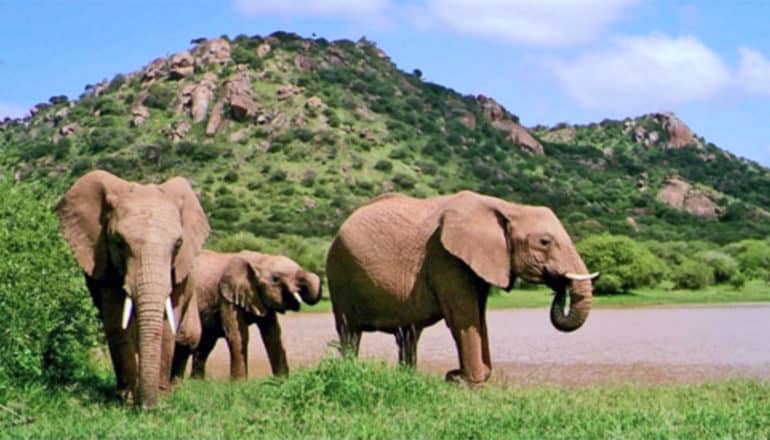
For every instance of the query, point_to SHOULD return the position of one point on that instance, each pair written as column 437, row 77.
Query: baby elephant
column 235, row 290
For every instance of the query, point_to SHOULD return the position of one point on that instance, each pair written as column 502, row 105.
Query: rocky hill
column 282, row 134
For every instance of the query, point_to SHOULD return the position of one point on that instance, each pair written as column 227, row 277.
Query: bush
column 404, row 181
column 753, row 257
column 692, row 274
column 49, row 322
column 383, row 165
column 159, row 96
column 308, row 252
column 723, row 266
column 620, row 258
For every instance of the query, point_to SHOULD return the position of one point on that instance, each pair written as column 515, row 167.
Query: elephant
column 235, row 290
column 136, row 245
column 399, row 264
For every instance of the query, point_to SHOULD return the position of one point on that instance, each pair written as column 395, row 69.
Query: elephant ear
column 82, row 215
column 195, row 225
column 241, row 285
column 475, row 233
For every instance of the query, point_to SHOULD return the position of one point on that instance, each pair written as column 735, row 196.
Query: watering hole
column 648, row 346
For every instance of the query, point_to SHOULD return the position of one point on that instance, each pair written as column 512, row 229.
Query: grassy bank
column 755, row 291
column 349, row 399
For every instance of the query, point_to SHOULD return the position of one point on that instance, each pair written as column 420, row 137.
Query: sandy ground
column 664, row 345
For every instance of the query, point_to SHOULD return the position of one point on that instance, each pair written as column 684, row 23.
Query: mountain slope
column 282, row 134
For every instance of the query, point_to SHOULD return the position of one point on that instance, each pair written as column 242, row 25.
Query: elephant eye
column 546, row 240
column 178, row 245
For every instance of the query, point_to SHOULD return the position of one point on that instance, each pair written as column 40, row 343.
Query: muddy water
column 615, row 346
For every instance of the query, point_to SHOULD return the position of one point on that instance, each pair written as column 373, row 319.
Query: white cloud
column 11, row 111
column 753, row 72
column 644, row 73
column 534, row 22
column 348, row 8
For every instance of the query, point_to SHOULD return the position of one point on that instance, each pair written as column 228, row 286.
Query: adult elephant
column 136, row 245
column 235, row 290
column 399, row 264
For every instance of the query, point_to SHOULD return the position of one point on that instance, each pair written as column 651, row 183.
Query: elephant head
column 262, row 283
column 500, row 241
column 143, row 239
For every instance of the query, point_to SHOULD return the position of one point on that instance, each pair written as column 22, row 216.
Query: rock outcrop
column 661, row 129
column 139, row 115
column 156, row 69
column 202, row 95
column 679, row 194
column 502, row 120
column 212, row 52
column 237, row 95
column 181, row 65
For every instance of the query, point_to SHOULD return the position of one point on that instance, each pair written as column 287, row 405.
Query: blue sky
column 547, row 61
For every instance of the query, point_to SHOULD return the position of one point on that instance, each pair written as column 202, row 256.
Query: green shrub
column 692, row 274
column 623, row 259
column 723, row 265
column 383, row 165
column 48, row 320
column 160, row 96
column 753, row 257
column 308, row 252
column 404, row 181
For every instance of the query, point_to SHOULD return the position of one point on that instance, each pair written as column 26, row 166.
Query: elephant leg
column 486, row 357
column 121, row 345
column 271, row 337
column 406, row 338
column 201, row 354
column 350, row 339
column 237, row 336
column 464, row 319
column 179, row 363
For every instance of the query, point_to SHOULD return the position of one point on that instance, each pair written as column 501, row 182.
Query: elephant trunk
column 581, row 294
column 310, row 288
column 150, row 309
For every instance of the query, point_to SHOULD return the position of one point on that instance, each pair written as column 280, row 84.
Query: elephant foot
column 457, row 376
column 126, row 396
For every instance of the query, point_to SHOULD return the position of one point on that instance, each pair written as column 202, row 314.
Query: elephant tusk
column 576, row 277
column 127, row 306
column 170, row 315
column 297, row 297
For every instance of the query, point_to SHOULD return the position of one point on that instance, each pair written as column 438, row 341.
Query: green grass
column 755, row 291
column 355, row 399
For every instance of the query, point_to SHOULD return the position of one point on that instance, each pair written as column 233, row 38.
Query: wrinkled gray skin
column 137, row 241
column 238, row 289
column 399, row 264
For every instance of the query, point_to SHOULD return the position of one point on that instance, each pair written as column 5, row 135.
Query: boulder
column 202, row 95
column 68, row 129
column 502, row 120
column 239, row 135
column 303, row 63
column 183, row 98
column 564, row 134
column 680, row 195
column 156, row 69
column 314, row 103
column 176, row 131
column 468, row 120
column 212, row 52
column 679, row 134
column 215, row 119
column 287, row 91
column 263, row 50
column 139, row 115
column 181, row 64
column 237, row 93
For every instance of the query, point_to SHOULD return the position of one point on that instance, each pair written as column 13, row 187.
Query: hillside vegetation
column 285, row 135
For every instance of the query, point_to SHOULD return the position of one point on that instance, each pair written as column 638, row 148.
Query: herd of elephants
column 398, row 264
